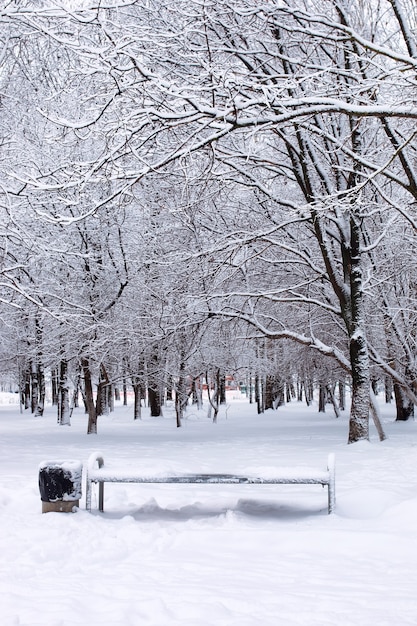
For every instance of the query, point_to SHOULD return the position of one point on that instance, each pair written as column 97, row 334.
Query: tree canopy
column 206, row 186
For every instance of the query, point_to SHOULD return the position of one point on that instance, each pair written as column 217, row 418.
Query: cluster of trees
column 201, row 186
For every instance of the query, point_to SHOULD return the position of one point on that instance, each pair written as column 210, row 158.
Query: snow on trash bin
column 60, row 485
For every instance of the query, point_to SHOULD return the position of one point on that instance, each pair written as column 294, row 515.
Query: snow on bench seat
column 97, row 472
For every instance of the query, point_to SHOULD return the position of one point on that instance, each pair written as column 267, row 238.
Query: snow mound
column 365, row 503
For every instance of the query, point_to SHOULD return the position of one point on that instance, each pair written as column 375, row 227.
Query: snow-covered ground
column 211, row 555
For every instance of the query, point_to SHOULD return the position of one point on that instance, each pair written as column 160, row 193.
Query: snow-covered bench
column 97, row 472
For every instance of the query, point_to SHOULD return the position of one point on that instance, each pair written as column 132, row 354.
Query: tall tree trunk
column 214, row 398
column 63, row 395
column 322, row 398
column 330, row 392
column 137, row 407
column 250, row 387
column 299, row 390
column 34, row 387
column 358, row 348
column 222, row 387
column 124, row 392
column 154, row 396
column 39, row 396
column 198, row 392
column 26, row 387
column 342, row 394
column 154, row 402
column 308, row 391
column 76, row 387
column 270, row 392
column 89, row 397
column 388, row 389
column 404, row 406
column 110, row 397
column 258, row 394
column 375, row 416
column 169, row 392
column 54, row 385
column 102, row 406
column 40, row 406
column 180, row 395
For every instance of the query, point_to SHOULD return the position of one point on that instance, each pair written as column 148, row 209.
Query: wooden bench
column 97, row 472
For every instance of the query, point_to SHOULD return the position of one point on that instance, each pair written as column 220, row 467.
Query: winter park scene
column 208, row 312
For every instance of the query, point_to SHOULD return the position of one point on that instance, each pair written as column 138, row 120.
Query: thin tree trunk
column 169, row 390
column 40, row 406
column 222, row 388
column 214, row 398
column 154, row 396
column 308, row 391
column 375, row 416
column 342, row 394
column 137, row 407
column 388, row 389
column 330, row 392
column 54, row 385
column 124, row 392
column 180, row 395
column 196, row 392
column 102, row 406
column 34, row 387
column 299, row 390
column 89, row 397
column 250, row 388
column 258, row 394
column 63, row 395
column 322, row 398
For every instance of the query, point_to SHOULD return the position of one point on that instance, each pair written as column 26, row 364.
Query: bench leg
column 88, row 495
column 101, row 496
column 332, row 483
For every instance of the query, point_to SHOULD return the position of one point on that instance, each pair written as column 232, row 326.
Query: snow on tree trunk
column 63, row 395
column 359, row 413
column 358, row 348
column 40, row 406
column 404, row 406
column 214, row 398
column 180, row 394
column 102, row 406
column 388, row 389
column 34, row 387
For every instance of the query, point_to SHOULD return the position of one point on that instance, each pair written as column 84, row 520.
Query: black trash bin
column 60, row 485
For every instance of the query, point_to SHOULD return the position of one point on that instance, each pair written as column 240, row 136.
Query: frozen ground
column 211, row 555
